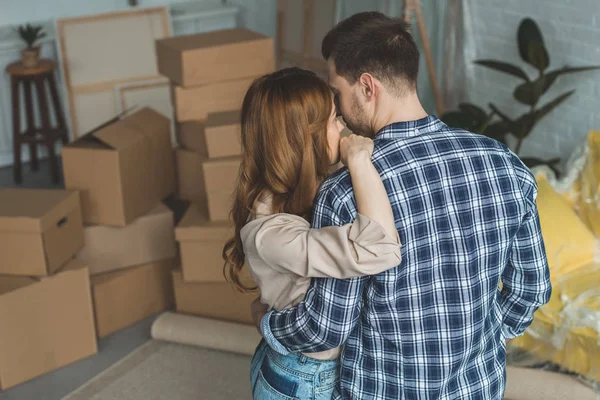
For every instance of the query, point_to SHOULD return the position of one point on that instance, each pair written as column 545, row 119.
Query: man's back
column 432, row 328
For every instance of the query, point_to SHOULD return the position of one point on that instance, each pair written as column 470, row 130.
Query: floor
column 55, row 385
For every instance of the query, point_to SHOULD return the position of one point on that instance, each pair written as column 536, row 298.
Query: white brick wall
column 571, row 30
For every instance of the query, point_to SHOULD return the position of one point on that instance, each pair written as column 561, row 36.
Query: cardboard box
column 147, row 239
column 122, row 298
column 199, row 59
column 213, row 300
column 190, row 175
column 201, row 246
column 220, row 177
column 190, row 136
column 123, row 168
column 195, row 103
column 40, row 230
column 222, row 132
column 46, row 324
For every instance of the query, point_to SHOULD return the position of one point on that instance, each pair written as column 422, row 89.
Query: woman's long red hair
column 285, row 153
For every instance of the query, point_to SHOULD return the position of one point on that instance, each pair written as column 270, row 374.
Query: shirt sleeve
column 526, row 279
column 287, row 243
column 331, row 308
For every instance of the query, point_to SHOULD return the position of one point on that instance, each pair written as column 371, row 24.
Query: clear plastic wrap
column 565, row 333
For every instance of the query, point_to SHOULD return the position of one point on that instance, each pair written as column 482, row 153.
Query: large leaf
column 548, row 107
column 500, row 113
column 458, row 119
column 498, row 130
column 477, row 113
column 529, row 33
column 538, row 56
column 504, row 67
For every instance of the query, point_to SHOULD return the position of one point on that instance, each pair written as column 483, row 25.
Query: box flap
column 212, row 39
column 11, row 283
column 118, row 135
column 195, row 226
column 31, row 210
column 223, row 118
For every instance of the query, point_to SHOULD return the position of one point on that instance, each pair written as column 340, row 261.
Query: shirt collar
column 408, row 129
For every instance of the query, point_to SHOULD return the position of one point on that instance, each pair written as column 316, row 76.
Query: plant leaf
column 498, row 130
column 475, row 112
column 504, row 67
column 538, row 55
column 458, row 119
column 529, row 93
column 528, row 32
column 500, row 113
column 548, row 107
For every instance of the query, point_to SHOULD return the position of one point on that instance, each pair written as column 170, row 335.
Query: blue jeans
column 291, row 377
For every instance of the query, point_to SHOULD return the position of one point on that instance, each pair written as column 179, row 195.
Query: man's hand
column 258, row 310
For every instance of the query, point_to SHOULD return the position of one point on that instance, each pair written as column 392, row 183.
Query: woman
column 291, row 140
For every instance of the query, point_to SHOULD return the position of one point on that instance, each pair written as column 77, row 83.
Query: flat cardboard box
column 196, row 103
column 222, row 133
column 190, row 136
column 46, row 324
column 203, row 58
column 40, row 230
column 190, row 175
column 201, row 245
column 123, row 168
column 213, row 300
column 122, row 298
column 147, row 239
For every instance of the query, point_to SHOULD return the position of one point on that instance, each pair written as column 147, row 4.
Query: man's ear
column 368, row 86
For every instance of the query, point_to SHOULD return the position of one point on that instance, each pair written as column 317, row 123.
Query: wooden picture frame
column 99, row 52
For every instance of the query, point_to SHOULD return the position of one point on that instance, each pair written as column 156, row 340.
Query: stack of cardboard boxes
column 210, row 74
column 123, row 170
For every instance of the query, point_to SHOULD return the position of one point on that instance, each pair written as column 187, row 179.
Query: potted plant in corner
column 30, row 34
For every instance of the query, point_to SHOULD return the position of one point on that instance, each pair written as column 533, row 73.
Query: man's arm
column 331, row 307
column 526, row 279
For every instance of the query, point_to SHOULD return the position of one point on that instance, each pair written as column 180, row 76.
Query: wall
column 571, row 30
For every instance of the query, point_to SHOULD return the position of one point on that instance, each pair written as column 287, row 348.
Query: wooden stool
column 33, row 135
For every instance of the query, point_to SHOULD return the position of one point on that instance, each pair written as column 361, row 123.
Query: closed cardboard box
column 222, row 131
column 220, row 177
column 147, row 239
column 122, row 298
column 190, row 136
column 212, row 300
column 190, row 175
column 40, row 230
column 201, row 246
column 45, row 324
column 199, row 59
column 195, row 103
column 123, row 168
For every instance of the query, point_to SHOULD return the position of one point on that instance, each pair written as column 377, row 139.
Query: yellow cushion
column 569, row 243
column 589, row 199
column 566, row 330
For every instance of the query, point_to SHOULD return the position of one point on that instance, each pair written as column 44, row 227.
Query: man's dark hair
column 373, row 43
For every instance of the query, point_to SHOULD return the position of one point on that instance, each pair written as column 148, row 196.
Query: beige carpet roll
column 207, row 333
column 535, row 384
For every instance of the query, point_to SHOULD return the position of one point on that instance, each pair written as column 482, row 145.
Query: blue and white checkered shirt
column 435, row 326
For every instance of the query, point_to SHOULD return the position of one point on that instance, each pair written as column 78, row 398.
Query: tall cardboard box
column 222, row 132
column 122, row 168
column 195, row 103
column 220, row 178
column 212, row 300
column 190, row 175
column 201, row 246
column 149, row 238
column 122, row 298
column 40, row 230
column 45, row 324
column 190, row 136
column 199, row 59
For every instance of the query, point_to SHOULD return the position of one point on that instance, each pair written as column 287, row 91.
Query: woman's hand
column 355, row 151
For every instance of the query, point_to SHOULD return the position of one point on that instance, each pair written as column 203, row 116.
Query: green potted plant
column 31, row 34
column 497, row 124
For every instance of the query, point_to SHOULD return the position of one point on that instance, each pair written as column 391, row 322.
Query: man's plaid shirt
column 434, row 327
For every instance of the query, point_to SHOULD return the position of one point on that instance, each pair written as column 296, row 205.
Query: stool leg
column 60, row 119
column 47, row 129
column 31, row 128
column 16, row 131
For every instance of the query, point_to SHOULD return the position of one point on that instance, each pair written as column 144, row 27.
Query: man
column 465, row 207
